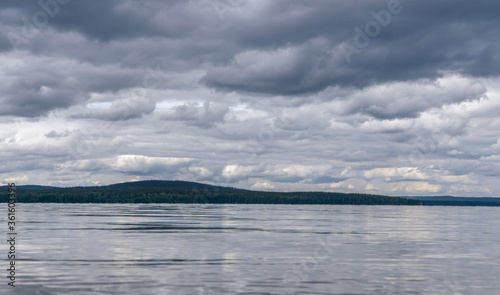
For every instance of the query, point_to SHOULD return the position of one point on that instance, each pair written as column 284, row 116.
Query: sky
column 380, row 96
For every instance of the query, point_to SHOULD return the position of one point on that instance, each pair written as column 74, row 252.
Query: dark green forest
column 158, row 191
column 458, row 201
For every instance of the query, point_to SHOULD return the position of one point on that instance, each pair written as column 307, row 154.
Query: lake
column 255, row 249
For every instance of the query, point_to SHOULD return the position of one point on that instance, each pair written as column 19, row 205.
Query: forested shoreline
column 192, row 192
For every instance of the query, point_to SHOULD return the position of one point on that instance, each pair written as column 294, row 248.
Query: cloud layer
column 394, row 97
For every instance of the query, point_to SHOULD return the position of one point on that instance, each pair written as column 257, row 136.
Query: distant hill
column 457, row 201
column 147, row 184
column 173, row 191
column 177, row 191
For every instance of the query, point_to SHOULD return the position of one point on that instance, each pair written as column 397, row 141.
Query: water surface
column 256, row 249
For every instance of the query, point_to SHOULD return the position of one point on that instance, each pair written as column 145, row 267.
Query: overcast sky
column 379, row 96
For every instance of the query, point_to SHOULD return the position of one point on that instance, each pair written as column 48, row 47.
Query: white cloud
column 341, row 185
column 463, row 179
column 301, row 170
column 201, row 172
column 416, row 187
column 265, row 185
column 233, row 172
column 143, row 164
column 18, row 180
column 396, row 173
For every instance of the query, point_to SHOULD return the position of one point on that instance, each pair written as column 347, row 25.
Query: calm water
column 256, row 249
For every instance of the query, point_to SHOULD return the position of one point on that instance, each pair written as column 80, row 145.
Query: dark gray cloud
column 417, row 43
column 35, row 85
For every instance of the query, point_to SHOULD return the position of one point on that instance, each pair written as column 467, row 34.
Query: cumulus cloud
column 237, row 172
column 264, row 185
column 301, row 170
column 16, row 179
column 419, row 187
column 341, row 185
column 402, row 172
column 201, row 172
column 139, row 164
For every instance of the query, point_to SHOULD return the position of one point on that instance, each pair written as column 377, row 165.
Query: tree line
column 192, row 192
